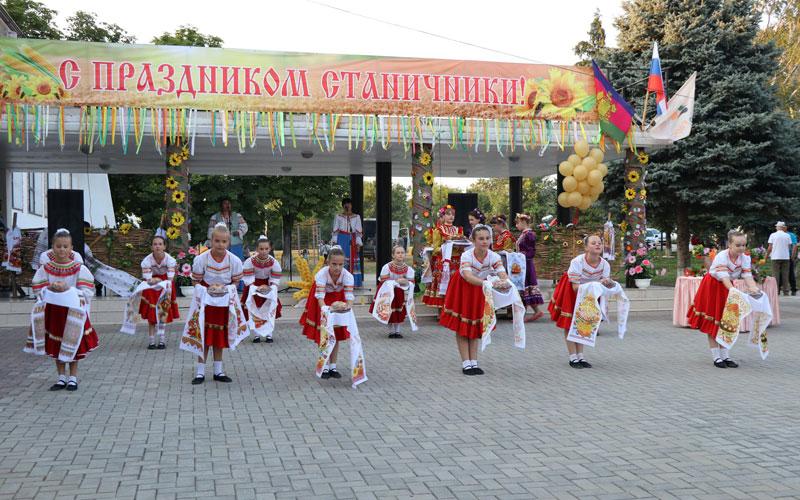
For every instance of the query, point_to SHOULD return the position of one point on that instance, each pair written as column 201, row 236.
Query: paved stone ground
column 654, row 418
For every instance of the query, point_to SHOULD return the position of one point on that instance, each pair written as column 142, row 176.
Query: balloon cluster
column 583, row 173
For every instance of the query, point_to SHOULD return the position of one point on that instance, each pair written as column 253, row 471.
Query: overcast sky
column 540, row 31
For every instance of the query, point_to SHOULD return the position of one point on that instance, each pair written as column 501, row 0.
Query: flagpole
column 644, row 110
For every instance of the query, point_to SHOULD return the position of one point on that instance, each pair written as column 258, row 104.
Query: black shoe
column 731, row 363
column 468, row 371
column 398, row 336
column 584, row 363
column 719, row 363
column 257, row 340
column 58, row 386
column 325, row 374
column 334, row 374
column 477, row 371
column 576, row 364
column 198, row 380
column 161, row 345
column 151, row 347
column 72, row 386
column 222, row 378
column 268, row 340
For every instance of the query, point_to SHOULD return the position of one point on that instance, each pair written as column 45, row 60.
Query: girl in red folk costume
column 261, row 271
column 156, row 267
column 706, row 312
column 60, row 320
column 503, row 239
column 396, row 270
column 584, row 268
column 444, row 231
column 333, row 286
column 464, row 303
column 214, row 270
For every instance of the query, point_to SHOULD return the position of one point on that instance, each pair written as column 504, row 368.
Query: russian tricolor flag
column 655, row 83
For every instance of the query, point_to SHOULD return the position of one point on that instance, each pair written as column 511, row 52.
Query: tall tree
column 782, row 26
column 34, row 19
column 595, row 46
column 187, row 35
column 84, row 26
column 401, row 211
column 736, row 166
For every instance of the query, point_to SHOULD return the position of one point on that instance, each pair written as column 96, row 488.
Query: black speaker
column 464, row 203
column 65, row 209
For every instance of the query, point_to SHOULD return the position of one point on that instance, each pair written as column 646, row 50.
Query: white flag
column 676, row 123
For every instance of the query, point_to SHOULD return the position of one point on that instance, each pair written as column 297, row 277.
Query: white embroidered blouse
column 268, row 269
column 326, row 284
column 581, row 272
column 724, row 267
column 151, row 267
column 206, row 268
column 491, row 264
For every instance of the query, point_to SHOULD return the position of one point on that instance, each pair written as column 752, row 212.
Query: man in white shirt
column 779, row 251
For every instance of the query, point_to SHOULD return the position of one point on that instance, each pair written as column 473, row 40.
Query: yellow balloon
column 580, row 172
column 585, row 203
column 570, row 184
column 594, row 197
column 589, row 163
column 597, row 155
column 583, row 187
column 575, row 199
column 597, row 188
column 565, row 168
column 594, row 178
column 602, row 168
column 582, row 148
column 574, row 159
column 563, row 200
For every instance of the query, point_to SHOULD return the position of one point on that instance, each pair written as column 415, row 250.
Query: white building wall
column 26, row 195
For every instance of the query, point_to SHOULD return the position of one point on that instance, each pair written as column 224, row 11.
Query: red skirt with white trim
column 709, row 302
column 398, row 306
column 258, row 300
column 463, row 308
column 310, row 318
column 562, row 304
column 147, row 307
column 55, row 318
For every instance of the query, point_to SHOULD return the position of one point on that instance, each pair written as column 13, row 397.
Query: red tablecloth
column 686, row 288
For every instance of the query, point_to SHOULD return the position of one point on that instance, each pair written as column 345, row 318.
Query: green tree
column 736, row 166
column 595, row 46
column 187, row 35
column 782, row 26
column 539, row 196
column 400, row 210
column 85, row 26
column 34, row 19
column 492, row 195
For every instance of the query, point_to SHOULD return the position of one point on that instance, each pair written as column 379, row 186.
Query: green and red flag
column 614, row 112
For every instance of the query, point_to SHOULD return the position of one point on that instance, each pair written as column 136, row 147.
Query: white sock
column 466, row 364
column 580, row 357
column 332, row 366
column 474, row 363
column 201, row 369
column 573, row 357
column 218, row 368
column 161, row 337
column 152, row 339
column 715, row 353
column 723, row 353
column 62, row 378
column 73, row 378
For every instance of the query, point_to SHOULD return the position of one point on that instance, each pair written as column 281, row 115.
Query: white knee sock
column 152, row 339
column 724, row 353
column 201, row 369
column 218, row 368
column 715, row 353
column 161, row 337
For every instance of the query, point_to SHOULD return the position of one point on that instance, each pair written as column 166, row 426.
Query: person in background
column 474, row 217
column 779, row 251
column 348, row 235
column 792, row 261
column 235, row 223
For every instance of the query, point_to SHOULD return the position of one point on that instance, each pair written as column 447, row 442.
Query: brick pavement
column 654, row 418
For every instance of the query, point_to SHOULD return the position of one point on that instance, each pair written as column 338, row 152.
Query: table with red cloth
column 686, row 288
